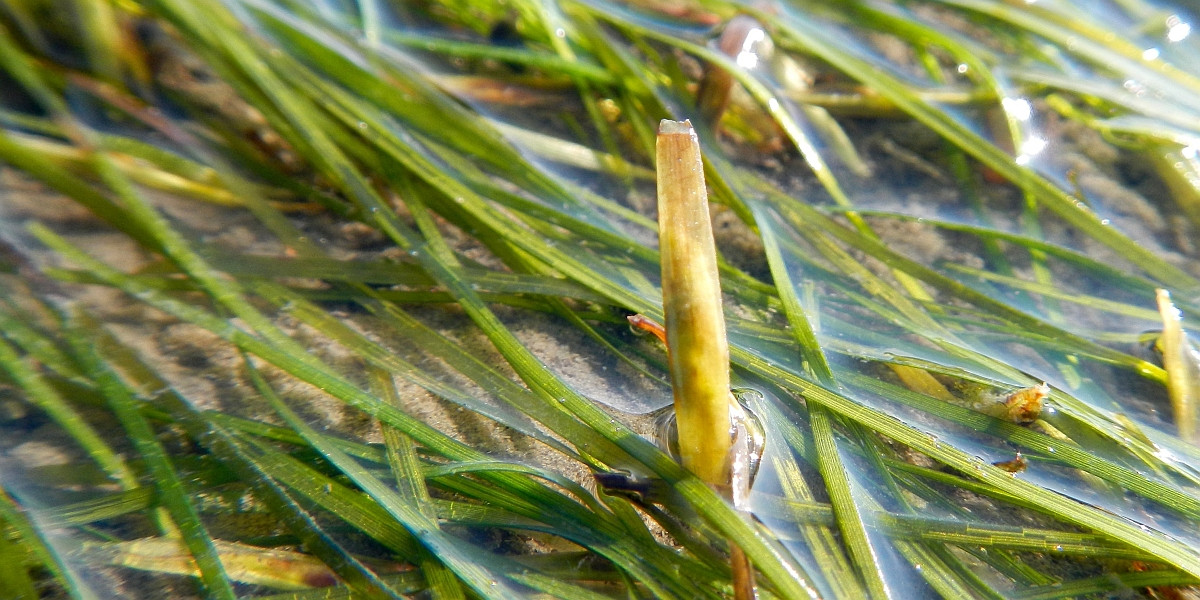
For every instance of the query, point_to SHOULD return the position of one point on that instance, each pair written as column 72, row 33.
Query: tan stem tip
column 669, row 127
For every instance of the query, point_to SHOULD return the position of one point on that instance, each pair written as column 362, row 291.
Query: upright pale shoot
column 692, row 305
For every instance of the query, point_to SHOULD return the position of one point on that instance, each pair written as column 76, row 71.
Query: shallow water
column 929, row 260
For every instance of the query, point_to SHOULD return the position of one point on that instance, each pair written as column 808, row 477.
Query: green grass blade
column 47, row 553
column 170, row 488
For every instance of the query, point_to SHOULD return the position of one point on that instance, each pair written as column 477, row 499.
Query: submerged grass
column 492, row 161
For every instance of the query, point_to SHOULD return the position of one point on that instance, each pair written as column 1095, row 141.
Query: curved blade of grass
column 798, row 318
column 170, row 488
column 251, row 469
column 98, row 509
column 960, row 533
column 799, row 214
column 46, row 552
column 1109, row 582
column 829, row 463
column 372, row 519
column 702, row 498
column 515, row 353
column 1053, row 291
column 47, row 399
column 349, row 505
column 420, row 107
column 301, row 522
column 1067, row 255
column 616, row 290
column 320, row 376
column 15, row 579
column 1152, row 542
column 41, row 345
column 449, row 552
column 410, row 485
column 808, row 35
column 383, row 358
column 1104, row 48
column 850, row 522
column 1170, row 495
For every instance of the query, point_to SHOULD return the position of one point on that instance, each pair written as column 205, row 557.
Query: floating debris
column 1024, row 406
column 1013, row 466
